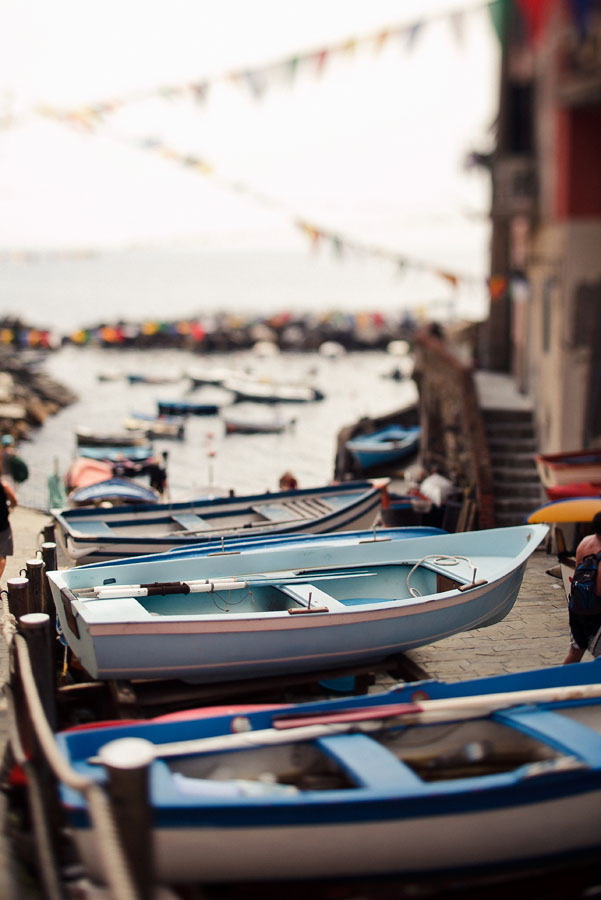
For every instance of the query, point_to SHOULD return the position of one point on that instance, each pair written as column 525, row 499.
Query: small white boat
column 95, row 535
column 236, row 422
column 569, row 466
column 268, row 391
column 213, row 376
column 87, row 437
column 291, row 604
column 493, row 776
column 156, row 426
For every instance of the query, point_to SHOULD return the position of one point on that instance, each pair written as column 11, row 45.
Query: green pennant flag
column 499, row 14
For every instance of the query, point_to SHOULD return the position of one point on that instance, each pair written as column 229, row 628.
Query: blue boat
column 184, row 408
column 384, row 446
column 429, row 780
column 277, row 607
column 92, row 535
column 114, row 454
column 113, row 490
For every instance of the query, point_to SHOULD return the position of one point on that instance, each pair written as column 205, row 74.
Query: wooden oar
column 288, row 729
column 204, row 586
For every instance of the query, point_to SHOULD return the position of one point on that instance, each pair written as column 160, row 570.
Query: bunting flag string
column 283, row 72
column 92, row 118
column 258, row 80
column 317, row 234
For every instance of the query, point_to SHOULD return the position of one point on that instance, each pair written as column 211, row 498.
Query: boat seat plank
column 92, row 529
column 275, row 512
column 370, row 764
column 189, row 521
column 552, row 726
column 301, row 593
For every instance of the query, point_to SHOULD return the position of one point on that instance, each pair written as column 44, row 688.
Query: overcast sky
column 373, row 148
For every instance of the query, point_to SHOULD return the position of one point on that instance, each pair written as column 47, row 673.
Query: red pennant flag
column 536, row 14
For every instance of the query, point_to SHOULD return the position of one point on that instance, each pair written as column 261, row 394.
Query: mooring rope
column 114, row 863
column 441, row 560
column 36, row 804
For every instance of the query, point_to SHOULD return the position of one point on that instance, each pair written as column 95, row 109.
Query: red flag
column 536, row 14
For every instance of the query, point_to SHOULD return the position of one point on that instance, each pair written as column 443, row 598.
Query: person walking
column 8, row 500
column 584, row 628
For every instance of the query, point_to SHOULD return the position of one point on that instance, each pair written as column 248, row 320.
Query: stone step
column 520, row 445
column 504, row 480
column 506, row 519
column 501, row 459
column 507, row 415
column 515, row 475
column 530, row 497
column 515, row 505
column 517, row 431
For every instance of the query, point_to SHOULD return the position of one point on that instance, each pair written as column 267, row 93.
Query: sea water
column 67, row 292
column 354, row 385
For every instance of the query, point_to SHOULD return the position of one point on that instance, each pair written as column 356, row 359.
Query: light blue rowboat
column 133, row 453
column 92, row 535
column 488, row 776
column 386, row 445
column 113, row 490
column 299, row 605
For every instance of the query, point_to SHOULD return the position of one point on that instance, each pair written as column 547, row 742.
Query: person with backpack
column 584, row 604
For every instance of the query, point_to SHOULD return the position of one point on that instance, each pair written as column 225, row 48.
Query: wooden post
column 127, row 762
column 49, row 557
column 35, row 628
column 50, row 563
column 18, row 596
column 35, row 572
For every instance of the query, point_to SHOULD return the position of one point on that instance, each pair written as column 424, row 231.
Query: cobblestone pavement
column 533, row 635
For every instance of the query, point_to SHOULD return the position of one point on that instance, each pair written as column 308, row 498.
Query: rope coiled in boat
column 441, row 560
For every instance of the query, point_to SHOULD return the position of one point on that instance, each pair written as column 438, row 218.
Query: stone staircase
column 512, row 443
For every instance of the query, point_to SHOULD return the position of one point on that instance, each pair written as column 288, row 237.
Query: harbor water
column 207, row 460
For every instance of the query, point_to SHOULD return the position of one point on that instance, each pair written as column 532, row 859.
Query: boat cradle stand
column 147, row 697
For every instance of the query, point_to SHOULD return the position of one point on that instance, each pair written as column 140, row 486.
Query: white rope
column 440, row 560
column 36, row 804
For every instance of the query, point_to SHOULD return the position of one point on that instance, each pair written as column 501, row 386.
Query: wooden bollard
column 35, row 628
column 127, row 763
column 49, row 556
column 18, row 596
column 34, row 571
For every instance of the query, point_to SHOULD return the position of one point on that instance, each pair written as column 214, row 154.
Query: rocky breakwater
column 27, row 394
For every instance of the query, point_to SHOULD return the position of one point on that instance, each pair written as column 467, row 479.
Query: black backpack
column 583, row 598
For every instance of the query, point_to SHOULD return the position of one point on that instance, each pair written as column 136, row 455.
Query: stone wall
column 27, row 395
column 454, row 441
